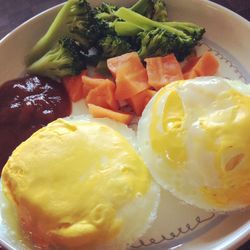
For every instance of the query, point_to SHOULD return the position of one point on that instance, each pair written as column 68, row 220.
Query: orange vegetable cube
column 207, row 65
column 163, row 70
column 103, row 95
column 91, row 83
column 114, row 63
column 100, row 112
column 191, row 61
column 139, row 101
column 73, row 85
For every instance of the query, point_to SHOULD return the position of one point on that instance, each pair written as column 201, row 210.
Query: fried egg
column 194, row 137
column 80, row 184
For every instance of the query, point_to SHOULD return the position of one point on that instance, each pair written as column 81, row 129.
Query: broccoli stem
column 141, row 6
column 126, row 29
column 134, row 18
column 38, row 66
column 146, row 23
column 52, row 35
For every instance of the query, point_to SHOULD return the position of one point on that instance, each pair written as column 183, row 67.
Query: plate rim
column 237, row 237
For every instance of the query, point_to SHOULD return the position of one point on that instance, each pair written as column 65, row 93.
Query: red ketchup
column 26, row 105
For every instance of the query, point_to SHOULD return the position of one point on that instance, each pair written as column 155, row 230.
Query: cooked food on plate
column 194, row 138
column 90, row 182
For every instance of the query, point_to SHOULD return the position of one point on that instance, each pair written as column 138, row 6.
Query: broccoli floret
column 160, row 13
column 105, row 16
column 75, row 20
column 66, row 58
column 106, row 12
column 153, row 9
column 111, row 46
column 173, row 37
column 155, row 42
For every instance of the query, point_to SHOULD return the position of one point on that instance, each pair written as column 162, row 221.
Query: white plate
column 178, row 225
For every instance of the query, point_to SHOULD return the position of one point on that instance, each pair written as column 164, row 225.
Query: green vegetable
column 160, row 38
column 144, row 7
column 119, row 35
column 153, row 9
column 160, row 13
column 112, row 45
column 75, row 20
column 66, row 58
column 80, row 35
column 106, row 13
column 156, row 42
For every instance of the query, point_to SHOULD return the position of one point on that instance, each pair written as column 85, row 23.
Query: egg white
column 185, row 183
column 138, row 214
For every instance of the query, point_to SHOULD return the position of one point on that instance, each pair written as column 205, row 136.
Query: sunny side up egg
column 80, row 184
column 194, row 137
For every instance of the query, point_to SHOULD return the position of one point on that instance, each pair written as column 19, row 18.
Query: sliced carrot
column 100, row 112
column 103, row 95
column 190, row 75
column 139, row 101
column 131, row 78
column 163, row 70
column 130, row 83
column 73, row 85
column 189, row 64
column 91, row 83
column 114, row 63
column 207, row 65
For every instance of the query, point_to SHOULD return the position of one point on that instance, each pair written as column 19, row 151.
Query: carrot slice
column 73, row 85
column 115, row 62
column 100, row 112
column 207, row 65
column 190, row 75
column 139, row 101
column 191, row 61
column 131, row 78
column 91, row 83
column 163, row 70
column 103, row 95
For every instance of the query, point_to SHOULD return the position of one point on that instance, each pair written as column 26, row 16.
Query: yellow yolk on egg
column 231, row 148
column 168, row 141
column 194, row 136
column 69, row 181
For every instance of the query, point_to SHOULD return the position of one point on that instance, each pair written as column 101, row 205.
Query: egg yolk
column 70, row 180
column 166, row 130
column 227, row 136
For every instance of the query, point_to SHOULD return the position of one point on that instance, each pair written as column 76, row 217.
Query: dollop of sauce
column 26, row 105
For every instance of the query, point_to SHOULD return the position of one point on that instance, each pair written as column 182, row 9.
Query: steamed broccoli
column 153, row 9
column 106, row 12
column 155, row 42
column 120, row 36
column 160, row 13
column 161, row 38
column 75, row 20
column 143, row 7
column 66, row 58
column 111, row 46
